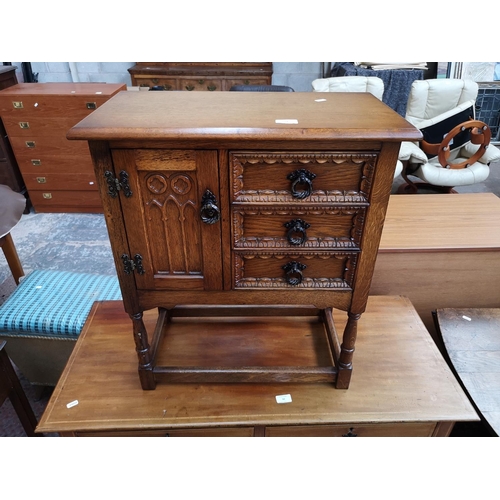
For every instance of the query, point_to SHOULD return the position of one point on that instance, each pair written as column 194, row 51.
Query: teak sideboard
column 244, row 204
column 58, row 174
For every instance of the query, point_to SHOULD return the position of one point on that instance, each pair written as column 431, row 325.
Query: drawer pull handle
column 24, row 125
column 211, row 87
column 189, row 87
column 296, row 231
column 47, row 196
column 41, row 180
column 293, row 272
column 91, row 105
column 209, row 212
column 36, row 162
column 301, row 183
column 30, row 144
column 350, row 433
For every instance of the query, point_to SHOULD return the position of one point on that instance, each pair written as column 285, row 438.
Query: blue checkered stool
column 42, row 319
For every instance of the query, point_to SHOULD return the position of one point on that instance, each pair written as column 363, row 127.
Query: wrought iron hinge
column 118, row 184
column 130, row 264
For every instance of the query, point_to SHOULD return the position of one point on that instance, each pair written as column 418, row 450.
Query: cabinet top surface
column 62, row 89
column 244, row 115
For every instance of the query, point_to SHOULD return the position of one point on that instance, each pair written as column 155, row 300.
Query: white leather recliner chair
column 456, row 149
column 371, row 84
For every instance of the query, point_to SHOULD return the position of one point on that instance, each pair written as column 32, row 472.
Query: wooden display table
column 440, row 251
column 402, row 385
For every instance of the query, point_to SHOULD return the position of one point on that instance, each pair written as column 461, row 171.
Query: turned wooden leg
column 347, row 351
column 143, row 352
column 12, row 257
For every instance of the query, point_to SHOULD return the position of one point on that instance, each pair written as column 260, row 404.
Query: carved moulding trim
column 351, row 242
column 344, row 282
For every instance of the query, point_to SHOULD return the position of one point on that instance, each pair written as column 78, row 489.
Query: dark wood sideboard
column 211, row 76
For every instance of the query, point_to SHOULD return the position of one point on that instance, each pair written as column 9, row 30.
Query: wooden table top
column 263, row 116
column 431, row 221
column 399, row 376
column 472, row 341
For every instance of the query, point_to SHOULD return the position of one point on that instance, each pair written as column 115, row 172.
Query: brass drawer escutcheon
column 36, row 162
column 24, row 125
column 30, row 144
column 17, row 104
column 47, row 196
column 41, row 180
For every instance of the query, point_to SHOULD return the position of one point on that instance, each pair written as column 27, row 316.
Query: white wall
column 297, row 75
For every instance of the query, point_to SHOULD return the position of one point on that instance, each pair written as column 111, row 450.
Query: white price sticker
column 73, row 403
column 288, row 121
column 284, row 398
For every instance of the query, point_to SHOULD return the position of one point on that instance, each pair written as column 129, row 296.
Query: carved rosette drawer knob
column 296, row 231
column 189, row 87
column 301, row 183
column 209, row 212
column 211, row 88
column 293, row 272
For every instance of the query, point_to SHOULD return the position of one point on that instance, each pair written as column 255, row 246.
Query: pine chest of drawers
column 58, row 173
column 259, row 202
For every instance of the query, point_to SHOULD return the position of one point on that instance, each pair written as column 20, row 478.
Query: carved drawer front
column 302, row 177
column 164, row 83
column 355, row 430
column 307, row 227
column 285, row 270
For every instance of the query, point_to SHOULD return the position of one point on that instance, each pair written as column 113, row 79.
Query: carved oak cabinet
column 244, row 204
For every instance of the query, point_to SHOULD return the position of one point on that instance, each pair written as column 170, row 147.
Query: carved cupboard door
column 172, row 218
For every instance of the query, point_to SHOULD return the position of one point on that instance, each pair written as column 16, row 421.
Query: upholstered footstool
column 42, row 319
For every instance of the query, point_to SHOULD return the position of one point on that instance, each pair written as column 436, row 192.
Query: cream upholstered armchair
column 455, row 150
column 371, row 84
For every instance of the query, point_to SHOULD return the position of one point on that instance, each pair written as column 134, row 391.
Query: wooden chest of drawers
column 58, row 174
column 260, row 199
column 200, row 76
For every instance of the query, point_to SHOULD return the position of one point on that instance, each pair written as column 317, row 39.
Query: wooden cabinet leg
column 347, row 351
column 143, row 352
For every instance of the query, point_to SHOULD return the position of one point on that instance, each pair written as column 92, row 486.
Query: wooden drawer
column 49, row 106
column 166, row 83
column 218, row 432
column 288, row 177
column 355, row 430
column 279, row 269
column 245, row 81
column 61, row 181
column 302, row 228
column 50, row 145
column 31, row 162
column 200, row 83
column 38, row 126
column 66, row 201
